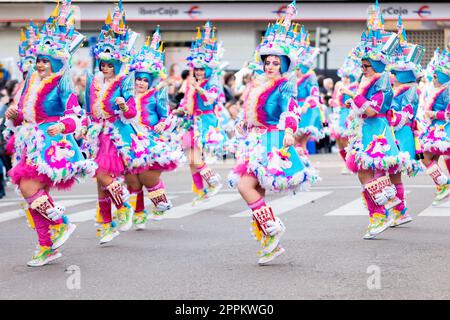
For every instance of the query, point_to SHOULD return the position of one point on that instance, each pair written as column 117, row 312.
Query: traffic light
column 323, row 39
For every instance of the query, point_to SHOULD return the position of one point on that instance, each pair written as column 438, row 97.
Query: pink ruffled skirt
column 108, row 157
column 25, row 171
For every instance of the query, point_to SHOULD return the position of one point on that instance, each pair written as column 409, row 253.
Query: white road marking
column 17, row 213
column 187, row 209
column 288, row 203
column 89, row 214
column 441, row 210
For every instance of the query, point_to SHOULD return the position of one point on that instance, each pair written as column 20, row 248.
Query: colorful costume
column 436, row 137
column 201, row 109
column 158, row 150
column 341, row 111
column 312, row 120
column 268, row 111
column 405, row 65
column 351, row 69
column 349, row 72
column 53, row 160
column 153, row 107
column 269, row 115
column 405, row 68
column 372, row 145
column 112, row 139
column 404, row 110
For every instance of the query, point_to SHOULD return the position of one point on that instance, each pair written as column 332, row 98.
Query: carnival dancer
column 26, row 64
column 436, row 138
column 47, row 156
column 406, row 68
column 59, row 232
column 199, row 108
column 111, row 138
column 160, row 152
column 372, row 151
column 313, row 121
column 267, row 159
column 349, row 72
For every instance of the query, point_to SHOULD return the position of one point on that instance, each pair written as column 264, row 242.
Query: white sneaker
column 377, row 225
column 141, row 226
column 65, row 236
column 200, row 199
column 390, row 220
column 164, row 206
column 270, row 243
column 215, row 180
column 43, row 256
column 345, row 171
column 159, row 211
column 107, row 233
column 279, row 250
column 213, row 190
column 442, row 193
column 403, row 220
column 140, row 220
column 125, row 217
column 400, row 217
column 369, row 236
column 109, row 237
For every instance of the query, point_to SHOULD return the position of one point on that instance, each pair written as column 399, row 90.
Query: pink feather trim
column 143, row 103
column 241, row 169
column 25, row 171
column 262, row 99
column 41, row 96
column 108, row 158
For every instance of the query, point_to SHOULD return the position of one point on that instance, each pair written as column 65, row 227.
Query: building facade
column 240, row 24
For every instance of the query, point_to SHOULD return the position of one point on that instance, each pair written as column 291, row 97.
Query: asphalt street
column 206, row 252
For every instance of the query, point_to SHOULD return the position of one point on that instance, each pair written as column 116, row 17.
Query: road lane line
column 288, row 203
column 9, row 203
column 441, row 210
column 353, row 208
column 187, row 209
column 89, row 214
column 17, row 213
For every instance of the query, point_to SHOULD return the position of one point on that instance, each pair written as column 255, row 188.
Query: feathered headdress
column 116, row 40
column 442, row 61
column 150, row 58
column 28, row 37
column 377, row 44
column 206, row 52
column 282, row 38
column 58, row 39
column 431, row 65
column 407, row 56
column 308, row 57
